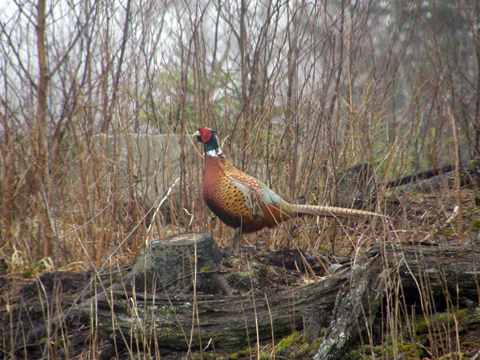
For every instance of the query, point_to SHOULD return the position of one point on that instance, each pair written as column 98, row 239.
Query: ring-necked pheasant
column 245, row 203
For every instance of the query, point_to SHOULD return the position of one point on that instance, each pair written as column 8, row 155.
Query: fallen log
column 345, row 303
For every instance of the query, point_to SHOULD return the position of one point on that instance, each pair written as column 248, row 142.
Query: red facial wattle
column 206, row 134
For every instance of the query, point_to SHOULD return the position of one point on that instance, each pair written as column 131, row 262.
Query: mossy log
column 345, row 302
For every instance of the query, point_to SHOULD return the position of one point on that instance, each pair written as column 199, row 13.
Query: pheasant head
column 207, row 137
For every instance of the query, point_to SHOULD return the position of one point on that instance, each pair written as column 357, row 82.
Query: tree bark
column 346, row 303
column 40, row 169
column 43, row 78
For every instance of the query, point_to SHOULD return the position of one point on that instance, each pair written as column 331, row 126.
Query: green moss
column 206, row 268
column 423, row 336
column 385, row 350
column 463, row 312
column 234, row 356
column 362, row 353
column 453, row 355
column 283, row 351
column 353, row 355
column 315, row 346
column 475, row 226
column 316, row 343
column 304, row 350
column 407, row 349
column 141, row 356
column 285, row 346
column 243, row 353
column 255, row 265
column 422, row 327
column 266, row 352
column 203, row 356
column 246, row 274
column 265, row 356
column 440, row 321
column 289, row 340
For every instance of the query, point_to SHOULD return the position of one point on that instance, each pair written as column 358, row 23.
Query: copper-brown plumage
column 245, row 203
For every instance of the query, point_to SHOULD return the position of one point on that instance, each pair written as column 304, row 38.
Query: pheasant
column 245, row 203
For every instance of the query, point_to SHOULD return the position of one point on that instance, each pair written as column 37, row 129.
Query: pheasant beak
column 198, row 136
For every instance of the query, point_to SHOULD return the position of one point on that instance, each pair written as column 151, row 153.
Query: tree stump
column 176, row 263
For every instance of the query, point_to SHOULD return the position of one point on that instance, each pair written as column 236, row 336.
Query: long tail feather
column 330, row 211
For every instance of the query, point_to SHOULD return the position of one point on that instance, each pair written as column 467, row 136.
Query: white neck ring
column 214, row 153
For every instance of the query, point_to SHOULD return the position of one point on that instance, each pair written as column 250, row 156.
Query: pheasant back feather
column 240, row 200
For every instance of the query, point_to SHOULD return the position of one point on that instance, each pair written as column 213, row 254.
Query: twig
column 160, row 204
column 441, row 227
column 457, row 174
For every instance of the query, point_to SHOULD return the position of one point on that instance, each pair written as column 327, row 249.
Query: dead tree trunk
column 346, row 303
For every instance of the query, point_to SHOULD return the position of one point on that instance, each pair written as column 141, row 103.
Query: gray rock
column 146, row 164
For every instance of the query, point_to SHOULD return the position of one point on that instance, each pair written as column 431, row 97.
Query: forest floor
column 24, row 305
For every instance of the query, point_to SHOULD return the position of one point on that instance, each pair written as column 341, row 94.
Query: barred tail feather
column 330, row 211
